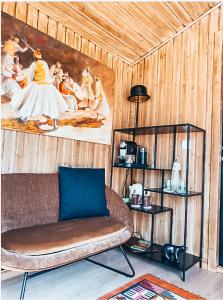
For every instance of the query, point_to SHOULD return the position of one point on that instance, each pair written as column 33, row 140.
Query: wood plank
column 31, row 151
column 20, row 156
column 84, row 46
column 77, row 42
column 213, row 26
column 9, row 142
column 21, row 11
column 167, row 15
column 43, row 22
column 221, row 17
column 215, row 153
column 32, row 16
column 61, row 33
column 131, row 16
column 179, row 11
column 78, row 26
column 52, row 28
column 69, row 38
column 9, row 8
column 155, row 18
column 177, row 57
column 191, row 8
column 109, row 22
column 42, row 154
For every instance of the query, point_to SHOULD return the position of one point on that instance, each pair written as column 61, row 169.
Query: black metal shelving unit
column 187, row 260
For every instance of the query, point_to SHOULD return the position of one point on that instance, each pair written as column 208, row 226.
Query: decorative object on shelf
column 175, row 177
column 142, row 155
column 171, row 186
column 141, row 246
column 137, row 244
column 147, row 200
column 127, row 152
column 126, row 200
column 138, row 94
column 170, row 253
column 130, row 153
column 135, row 195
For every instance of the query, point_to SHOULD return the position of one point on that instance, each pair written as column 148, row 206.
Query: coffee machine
column 127, row 152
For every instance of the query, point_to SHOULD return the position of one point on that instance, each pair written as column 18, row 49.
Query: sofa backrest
column 29, row 199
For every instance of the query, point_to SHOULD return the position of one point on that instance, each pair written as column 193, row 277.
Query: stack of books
column 140, row 246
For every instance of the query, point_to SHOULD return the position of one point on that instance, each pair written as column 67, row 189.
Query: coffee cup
column 136, row 199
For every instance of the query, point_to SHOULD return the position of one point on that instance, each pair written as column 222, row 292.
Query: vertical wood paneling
column 186, row 80
column 183, row 79
column 21, row 11
column 216, row 152
column 42, row 22
column 32, row 16
column 9, row 7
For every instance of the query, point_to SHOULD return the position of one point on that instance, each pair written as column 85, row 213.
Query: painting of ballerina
column 49, row 88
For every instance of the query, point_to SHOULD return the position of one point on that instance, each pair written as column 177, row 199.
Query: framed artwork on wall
column 50, row 88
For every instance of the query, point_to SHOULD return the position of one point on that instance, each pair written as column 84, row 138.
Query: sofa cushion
column 82, row 193
column 55, row 237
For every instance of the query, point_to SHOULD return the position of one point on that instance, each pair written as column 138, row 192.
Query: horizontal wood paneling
column 25, row 152
column 183, row 78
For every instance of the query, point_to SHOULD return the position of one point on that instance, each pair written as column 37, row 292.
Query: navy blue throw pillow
column 82, row 193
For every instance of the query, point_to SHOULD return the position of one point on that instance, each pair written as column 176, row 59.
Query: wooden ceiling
column 126, row 29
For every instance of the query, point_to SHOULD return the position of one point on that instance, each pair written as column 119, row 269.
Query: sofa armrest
column 118, row 209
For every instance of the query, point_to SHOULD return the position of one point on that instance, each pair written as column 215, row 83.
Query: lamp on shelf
column 138, row 94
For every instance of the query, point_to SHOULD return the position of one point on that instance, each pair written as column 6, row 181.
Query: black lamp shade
column 138, row 93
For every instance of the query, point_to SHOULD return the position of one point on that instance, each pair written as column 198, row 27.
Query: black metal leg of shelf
column 184, row 276
column 171, row 225
column 152, row 229
column 137, row 115
column 155, row 149
column 143, row 186
column 112, row 158
column 174, row 143
column 162, row 186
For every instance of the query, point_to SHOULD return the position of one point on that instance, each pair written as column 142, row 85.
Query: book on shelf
column 140, row 245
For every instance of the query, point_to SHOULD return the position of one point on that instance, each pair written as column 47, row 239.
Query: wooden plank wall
column 24, row 152
column 183, row 78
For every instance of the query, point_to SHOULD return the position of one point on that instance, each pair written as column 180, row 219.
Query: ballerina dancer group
column 40, row 91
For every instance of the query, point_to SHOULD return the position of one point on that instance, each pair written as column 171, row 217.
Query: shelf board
column 156, row 209
column 190, row 260
column 138, row 166
column 159, row 190
column 162, row 129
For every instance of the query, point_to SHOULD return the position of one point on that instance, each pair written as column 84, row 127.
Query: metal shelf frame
column 174, row 129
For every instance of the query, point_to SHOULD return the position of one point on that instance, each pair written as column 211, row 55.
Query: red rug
column 150, row 287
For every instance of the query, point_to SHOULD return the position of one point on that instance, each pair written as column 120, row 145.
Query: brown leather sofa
column 34, row 240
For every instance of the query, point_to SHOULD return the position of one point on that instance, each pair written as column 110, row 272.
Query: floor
column 86, row 281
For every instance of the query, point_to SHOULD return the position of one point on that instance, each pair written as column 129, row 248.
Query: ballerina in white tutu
column 40, row 97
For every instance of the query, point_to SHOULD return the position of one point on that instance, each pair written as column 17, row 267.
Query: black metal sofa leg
column 25, row 278
column 29, row 276
column 132, row 274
